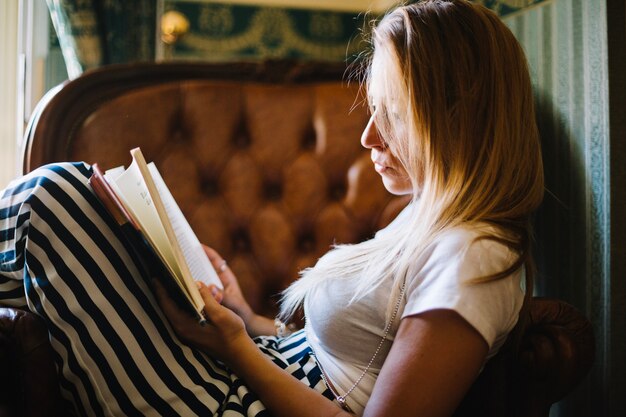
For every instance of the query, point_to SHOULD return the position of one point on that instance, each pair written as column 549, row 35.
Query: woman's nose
column 370, row 137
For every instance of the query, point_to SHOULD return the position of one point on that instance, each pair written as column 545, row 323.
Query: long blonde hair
column 457, row 80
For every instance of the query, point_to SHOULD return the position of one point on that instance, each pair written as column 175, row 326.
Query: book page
column 112, row 174
column 199, row 264
column 130, row 186
column 185, row 274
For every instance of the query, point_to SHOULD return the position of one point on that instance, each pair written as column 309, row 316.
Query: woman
column 452, row 125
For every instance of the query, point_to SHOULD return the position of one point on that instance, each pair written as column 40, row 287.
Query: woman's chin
column 396, row 187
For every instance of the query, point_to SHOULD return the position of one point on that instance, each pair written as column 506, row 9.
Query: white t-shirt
column 344, row 336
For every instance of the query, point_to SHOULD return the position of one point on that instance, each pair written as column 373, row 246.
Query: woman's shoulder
column 447, row 279
column 465, row 234
column 471, row 250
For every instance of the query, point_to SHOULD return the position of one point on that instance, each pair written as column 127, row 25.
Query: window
column 9, row 12
column 31, row 65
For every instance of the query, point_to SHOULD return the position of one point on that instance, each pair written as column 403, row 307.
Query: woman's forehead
column 376, row 87
column 384, row 84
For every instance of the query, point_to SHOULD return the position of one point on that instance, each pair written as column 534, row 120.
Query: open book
column 160, row 236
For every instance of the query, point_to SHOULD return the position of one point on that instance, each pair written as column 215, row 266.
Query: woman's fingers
column 224, row 326
column 211, row 253
column 182, row 322
column 220, row 265
column 217, row 293
column 211, row 305
column 223, row 318
column 218, row 262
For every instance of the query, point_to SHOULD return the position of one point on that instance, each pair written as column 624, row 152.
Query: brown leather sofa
column 265, row 161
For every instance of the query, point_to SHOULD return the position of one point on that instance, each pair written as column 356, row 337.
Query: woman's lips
column 380, row 168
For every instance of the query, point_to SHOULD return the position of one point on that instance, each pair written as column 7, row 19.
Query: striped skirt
column 64, row 258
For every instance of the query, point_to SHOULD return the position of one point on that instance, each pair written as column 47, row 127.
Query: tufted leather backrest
column 269, row 173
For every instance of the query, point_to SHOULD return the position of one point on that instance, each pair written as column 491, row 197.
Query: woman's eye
column 395, row 113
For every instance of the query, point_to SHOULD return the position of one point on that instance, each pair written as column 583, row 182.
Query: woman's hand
column 225, row 338
column 222, row 336
column 233, row 298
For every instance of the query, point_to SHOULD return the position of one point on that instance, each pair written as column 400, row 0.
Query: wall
column 8, row 90
column 506, row 7
column 566, row 43
column 228, row 30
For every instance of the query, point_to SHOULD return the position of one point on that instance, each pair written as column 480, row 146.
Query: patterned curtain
column 93, row 33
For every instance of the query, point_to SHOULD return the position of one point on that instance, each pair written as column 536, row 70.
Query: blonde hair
column 454, row 76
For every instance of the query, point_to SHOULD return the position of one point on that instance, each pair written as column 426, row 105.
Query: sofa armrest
column 29, row 386
column 555, row 353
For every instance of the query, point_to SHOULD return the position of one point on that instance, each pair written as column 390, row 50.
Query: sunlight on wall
column 8, row 90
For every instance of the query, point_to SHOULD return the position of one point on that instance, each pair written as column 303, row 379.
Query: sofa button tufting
column 306, row 243
column 209, row 187
column 337, row 192
column 273, row 191
column 241, row 241
column 242, row 141
column 310, row 138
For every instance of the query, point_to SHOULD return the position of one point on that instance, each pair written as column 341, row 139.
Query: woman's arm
column 225, row 338
column 434, row 359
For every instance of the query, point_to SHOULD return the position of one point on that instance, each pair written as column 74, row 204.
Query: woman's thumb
column 211, row 305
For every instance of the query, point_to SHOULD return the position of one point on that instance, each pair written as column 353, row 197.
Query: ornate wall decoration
column 222, row 31
column 99, row 32
column 231, row 32
column 505, row 7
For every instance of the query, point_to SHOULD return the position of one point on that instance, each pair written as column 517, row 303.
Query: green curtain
column 93, row 33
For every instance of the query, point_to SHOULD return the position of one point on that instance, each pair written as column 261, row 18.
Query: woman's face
column 394, row 176
column 385, row 96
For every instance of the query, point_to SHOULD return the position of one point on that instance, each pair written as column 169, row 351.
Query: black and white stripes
column 64, row 257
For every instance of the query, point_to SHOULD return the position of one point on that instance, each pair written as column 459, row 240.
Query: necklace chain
column 341, row 399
